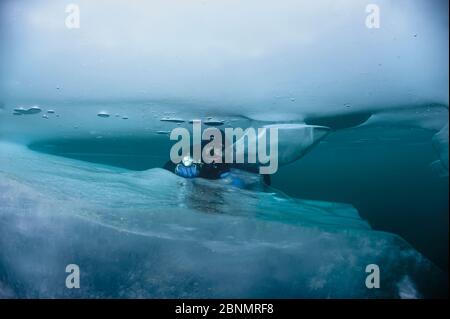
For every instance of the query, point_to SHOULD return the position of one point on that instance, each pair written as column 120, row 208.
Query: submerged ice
column 153, row 234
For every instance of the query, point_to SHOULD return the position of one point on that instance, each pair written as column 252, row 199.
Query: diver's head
column 187, row 161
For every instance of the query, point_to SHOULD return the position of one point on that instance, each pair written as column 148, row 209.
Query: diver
column 188, row 168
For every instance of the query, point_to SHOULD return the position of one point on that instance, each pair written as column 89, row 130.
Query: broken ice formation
column 440, row 143
column 153, row 234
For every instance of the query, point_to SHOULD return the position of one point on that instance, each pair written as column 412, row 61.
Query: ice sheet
column 153, row 234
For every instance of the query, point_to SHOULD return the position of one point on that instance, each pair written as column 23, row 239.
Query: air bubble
column 103, row 114
column 172, row 120
column 31, row 110
column 213, row 122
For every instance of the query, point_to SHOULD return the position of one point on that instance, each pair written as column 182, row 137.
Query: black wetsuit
column 215, row 170
column 209, row 171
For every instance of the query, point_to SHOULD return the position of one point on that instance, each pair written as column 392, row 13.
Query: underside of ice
column 153, row 234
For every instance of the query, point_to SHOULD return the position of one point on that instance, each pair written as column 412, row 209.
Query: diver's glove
column 187, row 168
column 187, row 171
column 229, row 178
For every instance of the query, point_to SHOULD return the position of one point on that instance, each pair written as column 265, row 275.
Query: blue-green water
column 138, row 231
column 386, row 174
column 362, row 114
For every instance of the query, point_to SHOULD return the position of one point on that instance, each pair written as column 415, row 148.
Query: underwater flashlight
column 187, row 161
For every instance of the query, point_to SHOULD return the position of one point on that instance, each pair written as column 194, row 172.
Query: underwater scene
column 224, row 149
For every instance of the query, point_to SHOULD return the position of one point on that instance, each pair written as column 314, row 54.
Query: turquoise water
column 144, row 232
column 362, row 116
column 386, row 174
